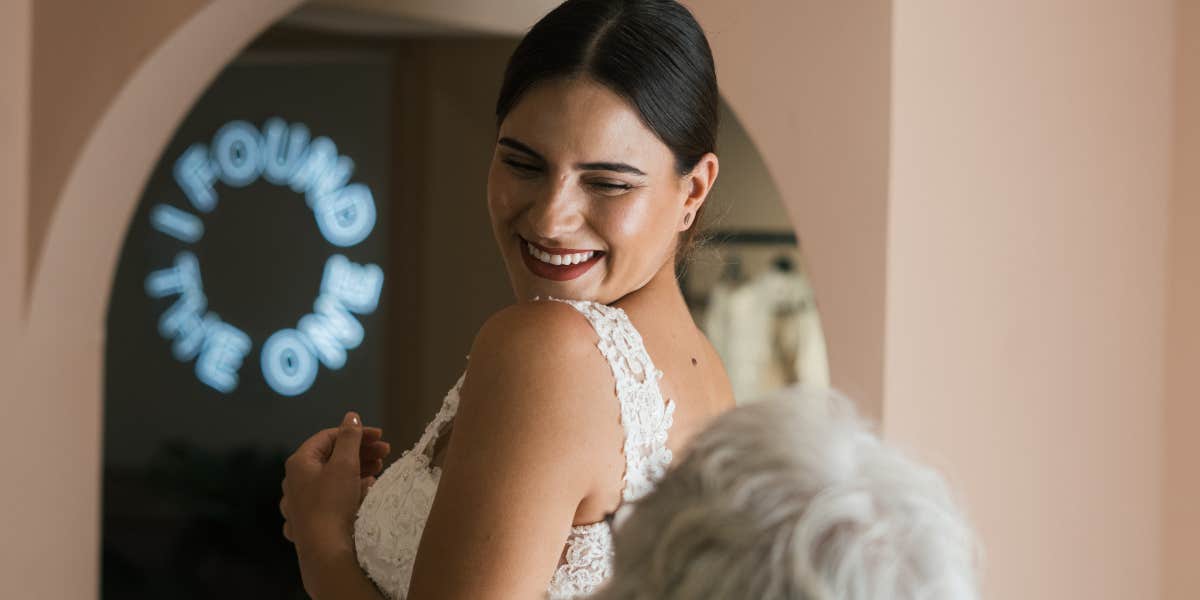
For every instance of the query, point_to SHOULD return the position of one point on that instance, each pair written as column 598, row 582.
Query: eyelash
column 525, row 168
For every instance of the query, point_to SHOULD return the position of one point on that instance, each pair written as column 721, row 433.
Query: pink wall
column 16, row 39
column 55, row 425
column 983, row 193
column 810, row 82
column 1182, row 506
column 84, row 52
column 1026, row 277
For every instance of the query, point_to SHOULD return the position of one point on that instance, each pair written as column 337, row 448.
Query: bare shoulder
column 546, row 327
column 539, row 359
column 526, row 451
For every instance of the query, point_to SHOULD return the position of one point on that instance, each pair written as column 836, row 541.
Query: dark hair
column 650, row 52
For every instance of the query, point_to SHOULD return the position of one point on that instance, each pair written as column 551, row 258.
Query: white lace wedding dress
column 392, row 516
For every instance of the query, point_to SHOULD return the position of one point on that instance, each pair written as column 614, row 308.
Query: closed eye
column 613, row 186
column 520, row 166
column 528, row 170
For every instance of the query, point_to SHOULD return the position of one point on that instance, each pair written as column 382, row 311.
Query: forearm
column 336, row 576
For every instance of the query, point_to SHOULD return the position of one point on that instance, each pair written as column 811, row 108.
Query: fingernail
column 351, row 419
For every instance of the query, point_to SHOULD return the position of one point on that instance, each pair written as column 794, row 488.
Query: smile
column 558, row 259
column 557, row 265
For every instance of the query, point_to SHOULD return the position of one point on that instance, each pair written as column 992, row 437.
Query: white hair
column 794, row 497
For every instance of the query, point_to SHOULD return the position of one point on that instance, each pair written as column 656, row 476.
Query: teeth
column 559, row 259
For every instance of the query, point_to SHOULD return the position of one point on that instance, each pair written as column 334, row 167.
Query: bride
column 607, row 120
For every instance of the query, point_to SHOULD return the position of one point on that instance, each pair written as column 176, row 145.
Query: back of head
column 793, row 497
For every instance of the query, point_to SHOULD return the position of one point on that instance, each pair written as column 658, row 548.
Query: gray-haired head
column 794, row 497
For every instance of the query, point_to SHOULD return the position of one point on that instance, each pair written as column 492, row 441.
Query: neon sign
column 344, row 212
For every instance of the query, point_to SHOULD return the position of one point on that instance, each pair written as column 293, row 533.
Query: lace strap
column 440, row 420
column 645, row 416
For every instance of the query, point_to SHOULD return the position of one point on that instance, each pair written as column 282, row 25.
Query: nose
column 557, row 212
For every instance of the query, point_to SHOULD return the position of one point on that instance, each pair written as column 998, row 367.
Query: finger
column 376, row 444
column 372, row 434
column 319, row 447
column 349, row 441
column 374, row 450
column 283, row 507
column 322, row 441
column 374, row 467
column 365, row 485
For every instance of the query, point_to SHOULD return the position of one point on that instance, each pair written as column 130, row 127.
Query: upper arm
column 522, row 456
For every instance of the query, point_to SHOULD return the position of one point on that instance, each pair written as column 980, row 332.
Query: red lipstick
column 556, row 272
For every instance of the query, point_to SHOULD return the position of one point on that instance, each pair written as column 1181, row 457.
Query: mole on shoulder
column 693, row 361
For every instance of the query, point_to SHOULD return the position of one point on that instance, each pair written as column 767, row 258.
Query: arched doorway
column 73, row 273
column 226, row 247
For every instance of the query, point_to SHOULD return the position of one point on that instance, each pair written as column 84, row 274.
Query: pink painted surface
column 1026, row 276
column 984, row 188
column 59, row 360
column 84, row 52
column 16, row 39
column 810, row 81
column 1182, row 498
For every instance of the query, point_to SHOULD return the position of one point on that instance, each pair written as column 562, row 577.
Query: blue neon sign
column 283, row 155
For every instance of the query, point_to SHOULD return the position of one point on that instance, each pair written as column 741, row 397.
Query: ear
column 696, row 185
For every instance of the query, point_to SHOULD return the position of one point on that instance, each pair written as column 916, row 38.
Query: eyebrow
column 617, row 167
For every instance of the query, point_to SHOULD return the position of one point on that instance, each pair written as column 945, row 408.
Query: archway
column 66, row 313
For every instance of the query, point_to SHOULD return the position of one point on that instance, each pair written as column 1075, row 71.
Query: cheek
column 642, row 222
column 501, row 198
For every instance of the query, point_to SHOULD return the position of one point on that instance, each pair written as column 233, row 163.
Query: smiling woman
column 612, row 188
column 908, row 173
column 603, row 160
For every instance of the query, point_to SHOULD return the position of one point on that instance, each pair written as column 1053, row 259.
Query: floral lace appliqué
column 392, row 516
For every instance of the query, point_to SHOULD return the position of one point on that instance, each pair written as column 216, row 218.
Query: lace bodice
column 392, row 516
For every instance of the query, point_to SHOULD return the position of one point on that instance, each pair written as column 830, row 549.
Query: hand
column 326, row 480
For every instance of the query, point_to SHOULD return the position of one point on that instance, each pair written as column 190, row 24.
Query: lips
column 557, row 272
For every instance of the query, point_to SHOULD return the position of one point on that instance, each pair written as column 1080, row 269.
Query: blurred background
column 227, row 247
column 977, row 220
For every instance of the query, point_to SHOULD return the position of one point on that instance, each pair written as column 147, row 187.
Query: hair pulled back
column 652, row 53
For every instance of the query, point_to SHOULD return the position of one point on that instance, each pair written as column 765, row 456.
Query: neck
column 661, row 294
